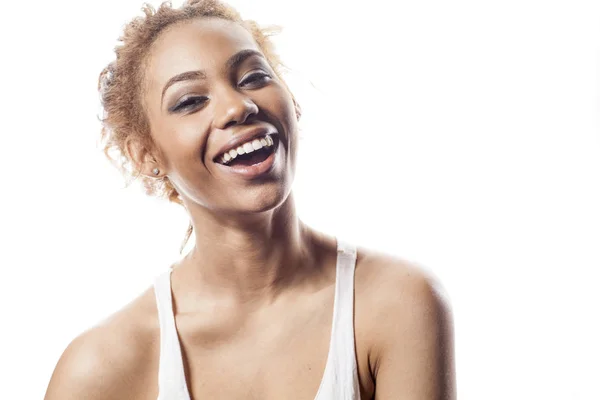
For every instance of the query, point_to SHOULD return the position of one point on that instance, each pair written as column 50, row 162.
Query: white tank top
column 340, row 378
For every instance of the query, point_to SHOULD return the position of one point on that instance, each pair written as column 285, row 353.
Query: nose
column 234, row 107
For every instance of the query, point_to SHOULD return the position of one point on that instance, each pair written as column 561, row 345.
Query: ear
column 142, row 159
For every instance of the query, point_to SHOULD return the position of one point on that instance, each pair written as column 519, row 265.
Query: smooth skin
column 254, row 297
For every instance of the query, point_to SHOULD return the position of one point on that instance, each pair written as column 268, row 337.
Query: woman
column 263, row 306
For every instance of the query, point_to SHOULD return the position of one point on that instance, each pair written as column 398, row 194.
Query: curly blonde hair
column 120, row 84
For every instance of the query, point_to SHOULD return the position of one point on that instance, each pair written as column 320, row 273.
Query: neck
column 249, row 257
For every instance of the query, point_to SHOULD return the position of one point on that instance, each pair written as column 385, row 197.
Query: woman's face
column 208, row 84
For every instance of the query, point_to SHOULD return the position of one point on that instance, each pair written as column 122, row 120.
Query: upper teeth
column 248, row 147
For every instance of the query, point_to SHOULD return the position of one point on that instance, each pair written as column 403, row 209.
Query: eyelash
column 189, row 102
column 257, row 77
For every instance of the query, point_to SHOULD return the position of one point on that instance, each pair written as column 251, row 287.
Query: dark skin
column 254, row 297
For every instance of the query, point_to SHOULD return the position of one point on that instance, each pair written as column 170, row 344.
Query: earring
column 155, row 171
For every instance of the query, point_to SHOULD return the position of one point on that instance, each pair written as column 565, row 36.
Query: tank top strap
column 341, row 380
column 171, row 374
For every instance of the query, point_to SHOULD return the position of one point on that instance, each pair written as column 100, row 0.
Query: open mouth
column 247, row 154
column 256, row 157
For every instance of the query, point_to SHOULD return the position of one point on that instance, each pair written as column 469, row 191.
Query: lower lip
column 256, row 170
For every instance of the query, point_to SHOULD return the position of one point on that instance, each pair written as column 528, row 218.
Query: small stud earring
column 155, row 171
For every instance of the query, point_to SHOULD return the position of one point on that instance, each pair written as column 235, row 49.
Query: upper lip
column 244, row 136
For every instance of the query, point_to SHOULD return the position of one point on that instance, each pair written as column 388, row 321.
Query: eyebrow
column 233, row 61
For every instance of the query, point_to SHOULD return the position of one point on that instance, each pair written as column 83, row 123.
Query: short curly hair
column 120, row 83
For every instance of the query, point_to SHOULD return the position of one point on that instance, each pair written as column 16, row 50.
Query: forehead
column 197, row 44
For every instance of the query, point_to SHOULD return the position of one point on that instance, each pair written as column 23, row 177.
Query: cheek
column 280, row 104
column 183, row 140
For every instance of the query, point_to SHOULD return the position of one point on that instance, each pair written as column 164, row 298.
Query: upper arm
column 415, row 357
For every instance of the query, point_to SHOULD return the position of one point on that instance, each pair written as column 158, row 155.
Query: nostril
column 230, row 124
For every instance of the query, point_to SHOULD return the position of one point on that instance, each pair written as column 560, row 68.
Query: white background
column 462, row 135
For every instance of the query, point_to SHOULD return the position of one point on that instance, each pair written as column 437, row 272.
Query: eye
column 189, row 103
column 256, row 79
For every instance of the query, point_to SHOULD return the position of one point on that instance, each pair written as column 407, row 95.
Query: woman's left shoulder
column 394, row 283
column 404, row 327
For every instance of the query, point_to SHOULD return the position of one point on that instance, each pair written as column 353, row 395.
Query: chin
column 264, row 198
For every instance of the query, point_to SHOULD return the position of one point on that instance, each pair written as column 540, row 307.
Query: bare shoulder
column 113, row 360
column 394, row 284
column 405, row 318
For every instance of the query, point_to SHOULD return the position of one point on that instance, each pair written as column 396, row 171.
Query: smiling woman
column 127, row 130
column 263, row 306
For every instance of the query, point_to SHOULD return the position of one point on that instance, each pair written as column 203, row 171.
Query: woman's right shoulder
column 116, row 359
